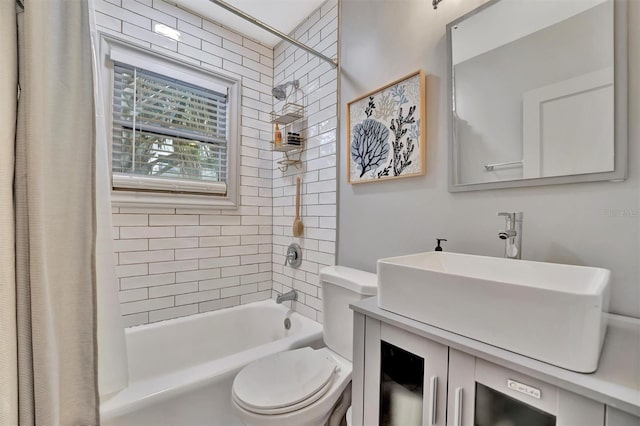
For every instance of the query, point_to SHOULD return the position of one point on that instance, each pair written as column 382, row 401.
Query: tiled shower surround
column 318, row 80
column 174, row 263
column 177, row 262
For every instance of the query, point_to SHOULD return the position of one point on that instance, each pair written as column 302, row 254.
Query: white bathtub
column 181, row 370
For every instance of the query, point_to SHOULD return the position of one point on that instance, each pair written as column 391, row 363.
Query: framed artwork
column 386, row 132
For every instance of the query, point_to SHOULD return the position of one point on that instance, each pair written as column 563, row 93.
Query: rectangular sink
column 550, row 312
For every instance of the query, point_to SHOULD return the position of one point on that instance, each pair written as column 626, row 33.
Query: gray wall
column 586, row 224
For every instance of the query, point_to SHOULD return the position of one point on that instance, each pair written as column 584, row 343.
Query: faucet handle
column 510, row 215
column 290, row 258
column 293, row 257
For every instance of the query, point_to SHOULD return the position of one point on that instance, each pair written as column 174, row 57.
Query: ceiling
column 284, row 15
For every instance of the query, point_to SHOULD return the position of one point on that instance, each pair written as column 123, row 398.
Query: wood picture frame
column 386, row 132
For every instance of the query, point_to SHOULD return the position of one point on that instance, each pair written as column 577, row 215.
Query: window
column 165, row 128
column 174, row 130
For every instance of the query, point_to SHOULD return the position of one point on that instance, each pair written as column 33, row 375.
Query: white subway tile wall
column 318, row 80
column 177, row 262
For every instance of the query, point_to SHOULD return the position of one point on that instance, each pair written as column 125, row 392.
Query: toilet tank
column 342, row 286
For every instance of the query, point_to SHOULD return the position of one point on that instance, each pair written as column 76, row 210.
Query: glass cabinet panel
column 401, row 386
column 494, row 408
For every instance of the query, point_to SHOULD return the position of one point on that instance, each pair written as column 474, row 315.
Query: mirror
column 537, row 93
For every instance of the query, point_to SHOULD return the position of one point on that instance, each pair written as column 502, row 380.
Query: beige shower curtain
column 8, row 92
column 54, row 197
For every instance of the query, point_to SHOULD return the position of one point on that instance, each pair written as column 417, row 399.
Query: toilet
column 304, row 386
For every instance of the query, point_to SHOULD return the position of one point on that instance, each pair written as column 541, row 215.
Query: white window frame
column 114, row 50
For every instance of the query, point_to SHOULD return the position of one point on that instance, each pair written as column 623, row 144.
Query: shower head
column 280, row 91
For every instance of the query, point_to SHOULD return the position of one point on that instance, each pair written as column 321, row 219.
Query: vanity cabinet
column 485, row 394
column 409, row 373
column 615, row 417
column 408, row 377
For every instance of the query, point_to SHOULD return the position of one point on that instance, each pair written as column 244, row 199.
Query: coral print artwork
column 386, row 132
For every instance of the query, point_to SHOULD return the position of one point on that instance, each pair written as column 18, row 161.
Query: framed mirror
column 537, row 94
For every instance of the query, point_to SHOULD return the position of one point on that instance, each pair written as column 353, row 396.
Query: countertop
column 615, row 383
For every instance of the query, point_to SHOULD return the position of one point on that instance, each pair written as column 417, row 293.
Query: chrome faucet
column 290, row 295
column 512, row 235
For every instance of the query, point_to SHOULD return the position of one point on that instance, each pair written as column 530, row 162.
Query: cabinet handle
column 457, row 415
column 434, row 400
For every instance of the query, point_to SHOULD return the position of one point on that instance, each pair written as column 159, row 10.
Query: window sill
column 170, row 200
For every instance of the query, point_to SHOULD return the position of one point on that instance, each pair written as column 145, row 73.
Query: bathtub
column 181, row 370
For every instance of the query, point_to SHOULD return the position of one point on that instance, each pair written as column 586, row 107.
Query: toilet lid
column 283, row 379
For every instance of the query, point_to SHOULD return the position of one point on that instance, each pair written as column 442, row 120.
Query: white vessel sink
column 546, row 311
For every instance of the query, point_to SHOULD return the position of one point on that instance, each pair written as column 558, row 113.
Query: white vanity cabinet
column 616, row 417
column 405, row 376
column 410, row 373
column 485, row 394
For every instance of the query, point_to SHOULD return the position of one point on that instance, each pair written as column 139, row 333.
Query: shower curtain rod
column 269, row 28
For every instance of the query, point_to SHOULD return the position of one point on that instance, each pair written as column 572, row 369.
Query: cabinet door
column 616, row 417
column 357, row 374
column 482, row 393
column 404, row 378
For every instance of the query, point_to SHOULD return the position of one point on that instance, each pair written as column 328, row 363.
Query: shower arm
column 270, row 29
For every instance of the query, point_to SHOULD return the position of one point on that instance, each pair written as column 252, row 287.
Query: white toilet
column 302, row 386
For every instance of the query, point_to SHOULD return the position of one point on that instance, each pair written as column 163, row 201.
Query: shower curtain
column 48, row 355
column 8, row 93
column 112, row 352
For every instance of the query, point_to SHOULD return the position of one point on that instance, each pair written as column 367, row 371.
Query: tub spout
column 290, row 295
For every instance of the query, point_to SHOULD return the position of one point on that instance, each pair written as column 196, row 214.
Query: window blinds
column 167, row 134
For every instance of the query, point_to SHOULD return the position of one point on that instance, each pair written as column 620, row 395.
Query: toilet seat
column 284, row 382
column 284, row 410
column 315, row 412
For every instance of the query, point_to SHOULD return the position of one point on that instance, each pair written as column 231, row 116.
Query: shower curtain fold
column 55, row 219
column 112, row 353
column 8, row 111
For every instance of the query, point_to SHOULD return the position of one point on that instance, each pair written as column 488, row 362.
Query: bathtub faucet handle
column 293, row 257
column 289, row 258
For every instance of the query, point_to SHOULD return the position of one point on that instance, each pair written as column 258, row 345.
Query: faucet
column 512, row 235
column 290, row 295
